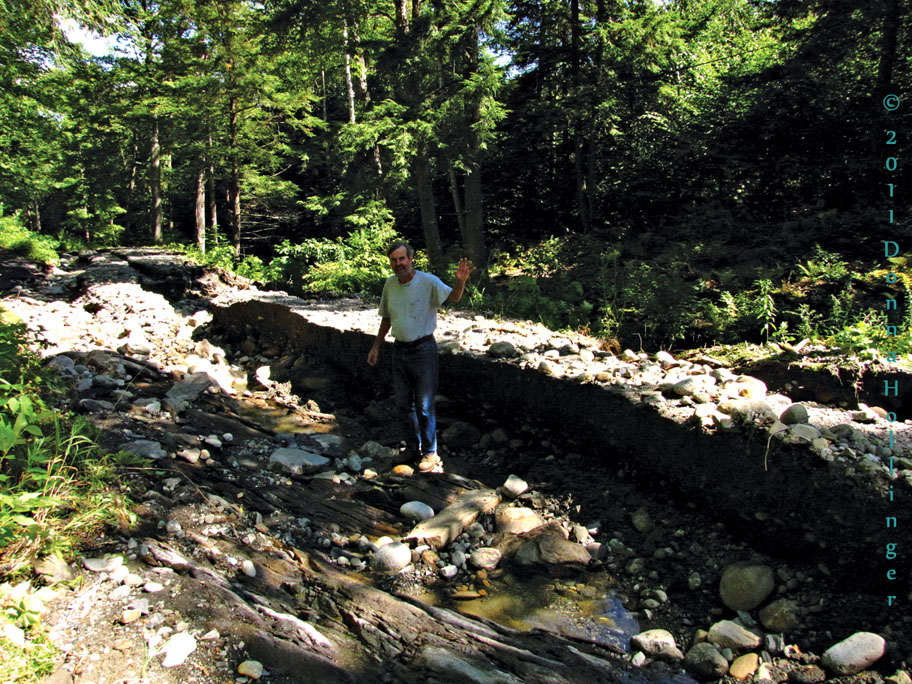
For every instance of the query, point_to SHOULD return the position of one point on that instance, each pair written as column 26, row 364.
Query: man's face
column 400, row 262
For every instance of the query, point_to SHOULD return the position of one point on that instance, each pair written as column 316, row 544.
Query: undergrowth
column 57, row 490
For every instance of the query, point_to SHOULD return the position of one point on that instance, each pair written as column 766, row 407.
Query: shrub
column 32, row 246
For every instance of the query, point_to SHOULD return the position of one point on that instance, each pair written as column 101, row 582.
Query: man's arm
column 463, row 271
column 374, row 352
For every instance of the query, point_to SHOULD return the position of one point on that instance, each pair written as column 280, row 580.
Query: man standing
column 408, row 307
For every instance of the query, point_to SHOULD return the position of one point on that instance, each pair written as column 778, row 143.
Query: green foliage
column 824, row 265
column 34, row 247
column 223, row 256
column 767, row 307
column 351, row 264
column 54, row 483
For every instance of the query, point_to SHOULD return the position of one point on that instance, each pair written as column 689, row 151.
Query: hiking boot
column 431, row 463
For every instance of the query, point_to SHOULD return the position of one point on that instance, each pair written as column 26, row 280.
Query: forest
column 666, row 173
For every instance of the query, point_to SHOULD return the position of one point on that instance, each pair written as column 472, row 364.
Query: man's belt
column 413, row 343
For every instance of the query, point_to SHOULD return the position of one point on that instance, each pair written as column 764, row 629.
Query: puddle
column 588, row 611
column 281, row 420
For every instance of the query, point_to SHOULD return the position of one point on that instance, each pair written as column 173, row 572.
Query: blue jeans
column 414, row 386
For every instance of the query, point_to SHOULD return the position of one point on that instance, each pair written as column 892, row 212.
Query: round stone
column 653, row 641
column 705, row 662
column 782, row 615
column 854, row 654
column 391, row 558
column 794, row 414
column 485, row 558
column 745, row 666
column 416, row 510
column 251, row 668
column 746, row 586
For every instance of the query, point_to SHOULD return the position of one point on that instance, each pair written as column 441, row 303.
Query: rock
column 376, row 450
column 745, row 586
column 794, row 414
column 728, row 634
column 653, row 641
column 745, row 666
column 515, row 486
column 145, row 448
column 502, row 350
column 547, row 549
column 183, row 393
column 449, row 571
column 854, row 654
column 516, row 520
column 177, row 649
column 782, row 615
column 297, row 461
column 416, row 511
column 547, row 368
column 108, row 564
column 251, row 668
column 899, row 677
column 248, row 568
column 705, row 662
column 803, row 433
column 642, row 521
column 461, row 435
column 391, row 558
column 485, row 558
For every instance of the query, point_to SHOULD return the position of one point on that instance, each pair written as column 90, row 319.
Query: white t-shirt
column 412, row 306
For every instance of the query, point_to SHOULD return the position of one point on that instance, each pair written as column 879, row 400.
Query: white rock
column 416, row 510
column 485, row 558
column 249, row 568
column 391, row 558
column 449, row 571
column 854, row 654
column 653, row 641
column 103, row 564
column 177, row 649
column 515, row 486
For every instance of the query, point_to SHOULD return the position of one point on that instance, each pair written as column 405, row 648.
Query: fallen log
column 449, row 523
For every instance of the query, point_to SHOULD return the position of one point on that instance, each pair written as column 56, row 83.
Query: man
column 408, row 307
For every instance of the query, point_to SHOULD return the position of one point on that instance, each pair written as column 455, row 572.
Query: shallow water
column 587, row 610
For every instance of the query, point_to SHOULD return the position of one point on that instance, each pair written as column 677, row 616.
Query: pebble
column 485, row 558
column 177, row 649
column 794, row 414
column 854, row 654
column 653, row 641
column 745, row 666
column 705, row 662
column 153, row 587
column 391, row 558
column 515, row 486
column 416, row 511
column 249, row 568
column 782, row 615
column 251, row 668
column 728, row 634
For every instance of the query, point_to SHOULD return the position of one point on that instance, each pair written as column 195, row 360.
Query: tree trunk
column 155, row 181
column 428, row 208
column 349, row 83
column 457, row 204
column 213, row 209
column 201, row 209
column 474, row 213
column 234, row 180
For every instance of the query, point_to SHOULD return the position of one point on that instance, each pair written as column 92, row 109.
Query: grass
column 57, row 490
